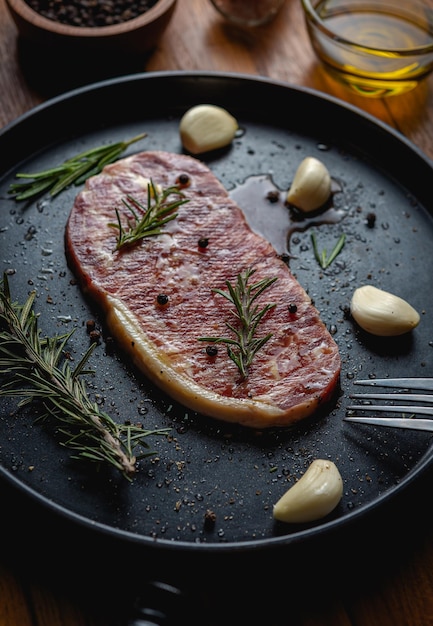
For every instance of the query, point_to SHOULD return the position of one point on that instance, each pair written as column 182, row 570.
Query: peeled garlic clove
column 316, row 494
column 207, row 127
column 311, row 186
column 381, row 313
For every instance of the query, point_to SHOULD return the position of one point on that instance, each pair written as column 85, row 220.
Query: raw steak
column 290, row 377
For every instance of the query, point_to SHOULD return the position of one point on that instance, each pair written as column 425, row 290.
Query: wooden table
column 385, row 576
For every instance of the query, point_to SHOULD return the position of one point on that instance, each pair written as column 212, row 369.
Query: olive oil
column 378, row 47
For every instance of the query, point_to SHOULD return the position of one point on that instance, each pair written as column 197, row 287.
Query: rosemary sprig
column 36, row 369
column 322, row 257
column 75, row 170
column 243, row 295
column 151, row 219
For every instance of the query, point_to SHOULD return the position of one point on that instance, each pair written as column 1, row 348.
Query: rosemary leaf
column 147, row 221
column 36, row 369
column 322, row 257
column 73, row 171
column 242, row 295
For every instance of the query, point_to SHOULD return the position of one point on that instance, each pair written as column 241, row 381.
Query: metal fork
column 425, row 384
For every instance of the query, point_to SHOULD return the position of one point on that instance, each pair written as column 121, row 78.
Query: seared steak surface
column 293, row 374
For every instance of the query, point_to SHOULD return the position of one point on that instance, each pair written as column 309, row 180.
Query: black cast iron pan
column 234, row 472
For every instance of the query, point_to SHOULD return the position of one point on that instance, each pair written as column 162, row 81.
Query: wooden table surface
column 385, row 575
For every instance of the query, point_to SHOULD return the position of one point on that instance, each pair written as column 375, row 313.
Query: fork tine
column 425, row 384
column 394, row 422
column 417, row 410
column 413, row 397
column 402, row 383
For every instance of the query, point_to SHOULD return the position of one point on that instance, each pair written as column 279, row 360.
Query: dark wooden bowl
column 132, row 37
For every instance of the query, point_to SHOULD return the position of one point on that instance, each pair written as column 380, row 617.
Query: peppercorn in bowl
column 122, row 27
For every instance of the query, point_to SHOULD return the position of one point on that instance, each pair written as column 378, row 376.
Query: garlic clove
column 311, row 186
column 382, row 313
column 207, row 127
column 314, row 496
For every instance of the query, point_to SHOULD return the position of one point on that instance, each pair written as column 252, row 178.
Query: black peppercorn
column 211, row 350
column 292, row 308
column 162, row 299
column 203, row 242
column 95, row 336
column 183, row 180
column 90, row 325
column 371, row 220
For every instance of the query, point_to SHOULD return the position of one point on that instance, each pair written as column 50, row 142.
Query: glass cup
column 248, row 12
column 377, row 48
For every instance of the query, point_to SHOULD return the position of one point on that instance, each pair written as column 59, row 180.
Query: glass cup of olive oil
column 378, row 48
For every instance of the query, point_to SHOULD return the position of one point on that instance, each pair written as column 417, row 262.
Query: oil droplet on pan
column 264, row 207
